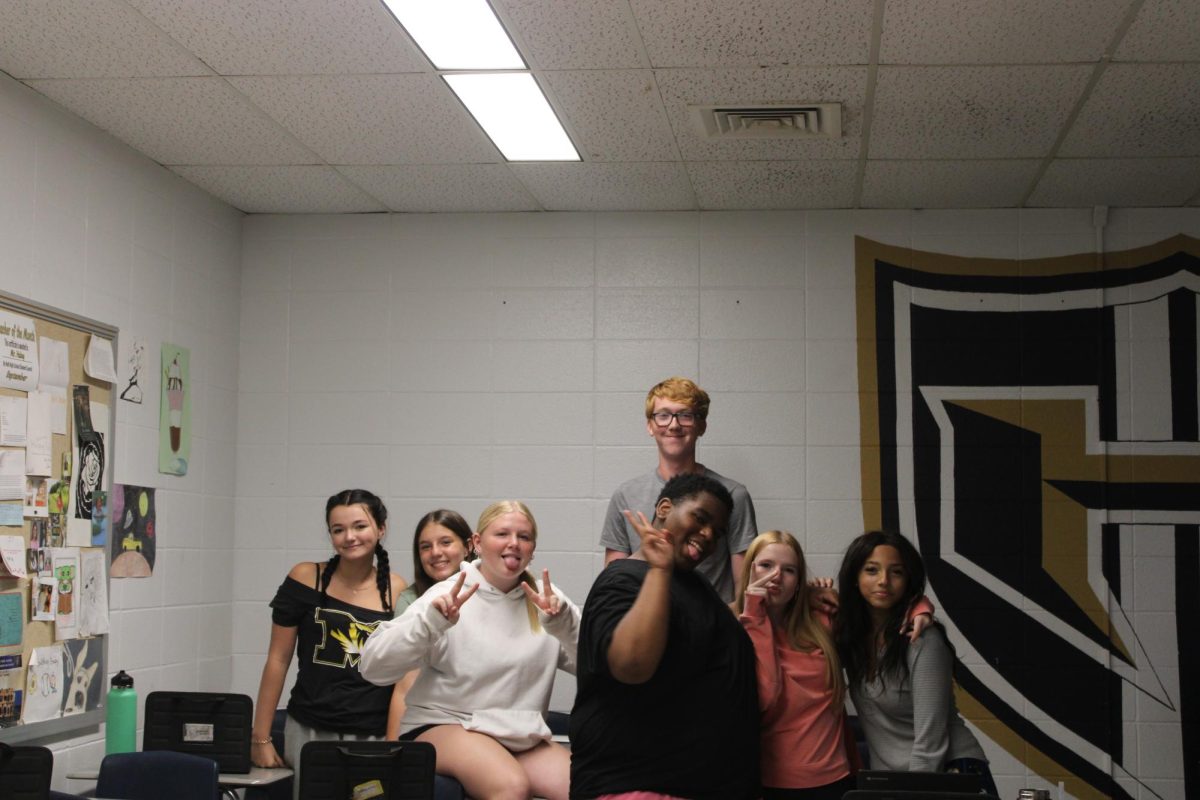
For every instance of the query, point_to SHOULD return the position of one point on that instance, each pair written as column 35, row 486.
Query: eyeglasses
column 686, row 419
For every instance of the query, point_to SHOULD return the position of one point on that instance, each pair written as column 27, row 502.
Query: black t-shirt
column 329, row 692
column 692, row 730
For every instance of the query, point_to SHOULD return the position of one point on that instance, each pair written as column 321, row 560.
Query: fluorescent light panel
column 513, row 111
column 457, row 34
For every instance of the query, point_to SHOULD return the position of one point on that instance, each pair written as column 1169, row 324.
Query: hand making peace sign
column 658, row 545
column 547, row 601
column 760, row 585
column 449, row 604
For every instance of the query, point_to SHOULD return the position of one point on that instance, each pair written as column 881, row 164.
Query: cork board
column 83, row 652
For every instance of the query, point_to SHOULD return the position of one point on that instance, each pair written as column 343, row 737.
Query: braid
column 383, row 576
column 327, row 574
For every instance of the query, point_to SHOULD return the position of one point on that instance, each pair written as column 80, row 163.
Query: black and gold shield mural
column 1034, row 427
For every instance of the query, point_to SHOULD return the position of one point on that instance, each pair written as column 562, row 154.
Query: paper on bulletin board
column 44, row 684
column 12, row 474
column 92, row 589
column 39, row 453
column 98, row 362
column 91, row 469
column 12, row 689
column 12, row 555
column 13, row 413
column 18, row 352
column 55, row 372
column 11, row 514
column 65, row 561
column 37, row 495
column 43, row 597
column 11, row 623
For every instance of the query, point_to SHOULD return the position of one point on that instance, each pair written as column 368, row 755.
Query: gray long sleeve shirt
column 914, row 725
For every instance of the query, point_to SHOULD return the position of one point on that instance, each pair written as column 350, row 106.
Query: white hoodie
column 489, row 672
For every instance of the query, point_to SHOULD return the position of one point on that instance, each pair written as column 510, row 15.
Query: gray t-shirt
column 913, row 725
column 641, row 494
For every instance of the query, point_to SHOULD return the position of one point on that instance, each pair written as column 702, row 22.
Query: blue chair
column 157, row 774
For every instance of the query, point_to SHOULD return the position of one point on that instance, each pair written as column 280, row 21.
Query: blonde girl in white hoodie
column 487, row 642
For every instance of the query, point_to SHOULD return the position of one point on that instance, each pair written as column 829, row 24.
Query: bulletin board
column 65, row 554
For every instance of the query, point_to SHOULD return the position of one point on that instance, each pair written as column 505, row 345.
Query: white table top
column 257, row 776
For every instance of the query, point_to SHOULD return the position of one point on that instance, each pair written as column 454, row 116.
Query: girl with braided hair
column 324, row 613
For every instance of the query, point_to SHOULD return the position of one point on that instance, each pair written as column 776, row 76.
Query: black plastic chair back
column 25, row 772
column 335, row 770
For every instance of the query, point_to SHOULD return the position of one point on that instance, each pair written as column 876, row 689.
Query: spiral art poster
column 175, row 411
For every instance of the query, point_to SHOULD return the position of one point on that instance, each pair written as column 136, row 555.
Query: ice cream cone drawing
column 175, row 402
column 175, row 411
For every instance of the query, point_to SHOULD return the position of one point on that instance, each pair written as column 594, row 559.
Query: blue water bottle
column 120, row 716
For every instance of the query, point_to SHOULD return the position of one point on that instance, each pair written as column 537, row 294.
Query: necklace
column 370, row 584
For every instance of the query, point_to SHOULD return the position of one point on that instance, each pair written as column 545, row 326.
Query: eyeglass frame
column 675, row 416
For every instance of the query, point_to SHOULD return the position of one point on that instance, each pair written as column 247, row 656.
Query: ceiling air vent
column 770, row 122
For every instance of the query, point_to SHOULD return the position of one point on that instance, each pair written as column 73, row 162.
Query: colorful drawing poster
column 44, row 684
column 18, row 352
column 12, row 623
column 93, row 593
column 65, row 565
column 85, row 675
column 132, row 531
column 12, row 681
column 175, row 411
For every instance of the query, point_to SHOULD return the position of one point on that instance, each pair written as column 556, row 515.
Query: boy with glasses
column 677, row 416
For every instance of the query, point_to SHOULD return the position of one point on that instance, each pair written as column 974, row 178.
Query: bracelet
column 261, row 741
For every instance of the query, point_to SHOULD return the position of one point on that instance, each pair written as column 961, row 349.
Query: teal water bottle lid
column 122, row 680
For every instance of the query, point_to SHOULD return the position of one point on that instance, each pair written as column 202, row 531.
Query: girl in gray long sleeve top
column 903, row 691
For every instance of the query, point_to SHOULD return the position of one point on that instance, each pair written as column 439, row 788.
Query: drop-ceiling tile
column 616, row 115
column 87, row 39
column 288, row 37
column 607, row 187
column 1012, row 32
column 1071, row 182
column 972, row 112
column 773, row 184
column 373, row 119
column 1139, row 110
column 754, row 33
column 947, row 184
column 574, row 34
column 443, row 187
column 749, row 87
column 179, row 120
column 281, row 190
column 1163, row 30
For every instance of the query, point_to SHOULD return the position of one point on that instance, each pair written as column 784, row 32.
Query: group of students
column 681, row 693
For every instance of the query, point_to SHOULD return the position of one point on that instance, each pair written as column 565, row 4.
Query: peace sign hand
column 547, row 601
column 760, row 586
column 658, row 545
column 448, row 604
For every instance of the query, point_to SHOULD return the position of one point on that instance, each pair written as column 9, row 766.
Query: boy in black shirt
column 667, row 697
